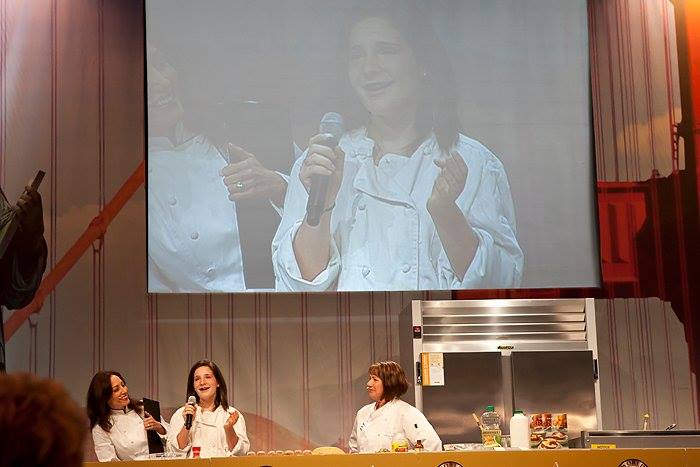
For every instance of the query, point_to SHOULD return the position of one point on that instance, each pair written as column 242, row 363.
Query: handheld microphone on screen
column 188, row 418
column 332, row 123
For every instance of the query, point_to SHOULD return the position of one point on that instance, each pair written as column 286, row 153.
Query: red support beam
column 94, row 231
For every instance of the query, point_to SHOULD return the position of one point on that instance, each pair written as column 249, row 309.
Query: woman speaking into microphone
column 411, row 203
column 216, row 429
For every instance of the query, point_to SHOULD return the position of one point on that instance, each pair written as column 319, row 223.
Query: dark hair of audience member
column 40, row 425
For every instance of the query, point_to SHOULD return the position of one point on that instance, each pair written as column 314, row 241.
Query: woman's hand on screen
column 322, row 160
column 246, row 178
column 449, row 183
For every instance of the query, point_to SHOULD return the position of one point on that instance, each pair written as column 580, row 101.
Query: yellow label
column 603, row 446
column 425, row 368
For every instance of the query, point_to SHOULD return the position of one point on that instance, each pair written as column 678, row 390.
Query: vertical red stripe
column 387, row 325
column 53, row 245
column 630, row 358
column 258, row 378
column 628, row 62
column 613, row 107
column 102, row 184
column 624, row 94
column 650, row 352
column 156, row 358
column 305, row 366
column 669, row 85
column 189, row 310
column 268, row 367
column 373, row 352
column 207, row 326
column 643, row 389
column 3, row 88
column 230, row 344
column 598, row 116
column 646, row 57
column 349, row 398
column 339, row 340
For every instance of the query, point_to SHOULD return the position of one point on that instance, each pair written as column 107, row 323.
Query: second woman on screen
column 218, row 430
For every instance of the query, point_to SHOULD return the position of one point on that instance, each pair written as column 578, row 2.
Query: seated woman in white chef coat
column 217, row 428
column 412, row 203
column 377, row 423
column 117, row 421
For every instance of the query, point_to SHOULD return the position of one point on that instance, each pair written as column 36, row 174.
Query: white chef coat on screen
column 126, row 440
column 374, row 429
column 383, row 237
column 193, row 241
column 208, row 433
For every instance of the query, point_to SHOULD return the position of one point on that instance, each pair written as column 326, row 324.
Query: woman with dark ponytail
column 411, row 203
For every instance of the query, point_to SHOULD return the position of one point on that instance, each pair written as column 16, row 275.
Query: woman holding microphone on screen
column 411, row 202
column 207, row 422
column 387, row 416
column 118, row 422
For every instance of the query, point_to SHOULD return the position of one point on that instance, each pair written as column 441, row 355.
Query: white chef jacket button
column 427, row 150
column 361, row 206
column 406, row 268
column 194, row 235
column 365, row 271
column 172, row 201
column 210, row 271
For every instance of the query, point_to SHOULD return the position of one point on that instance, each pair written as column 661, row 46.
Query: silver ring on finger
column 240, row 186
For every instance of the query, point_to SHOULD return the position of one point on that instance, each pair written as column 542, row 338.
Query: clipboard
column 155, row 444
column 7, row 232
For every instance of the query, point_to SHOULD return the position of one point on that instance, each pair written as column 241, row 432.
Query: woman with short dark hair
column 217, row 428
column 118, row 422
column 376, row 424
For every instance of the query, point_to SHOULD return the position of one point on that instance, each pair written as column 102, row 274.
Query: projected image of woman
column 412, row 203
column 193, row 237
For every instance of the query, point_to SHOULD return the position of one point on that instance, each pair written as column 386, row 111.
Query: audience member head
column 42, row 423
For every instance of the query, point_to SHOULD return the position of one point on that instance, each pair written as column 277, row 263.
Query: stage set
column 507, row 204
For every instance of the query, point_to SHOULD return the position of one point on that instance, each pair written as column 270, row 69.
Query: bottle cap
column 489, row 408
column 518, row 411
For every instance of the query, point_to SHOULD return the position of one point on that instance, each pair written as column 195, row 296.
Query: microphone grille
column 192, row 400
column 332, row 123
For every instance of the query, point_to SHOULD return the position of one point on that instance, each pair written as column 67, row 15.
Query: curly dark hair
column 221, row 392
column 98, row 395
column 393, row 378
column 40, row 424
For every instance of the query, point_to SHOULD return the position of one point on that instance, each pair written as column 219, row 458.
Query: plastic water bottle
column 491, row 428
column 519, row 430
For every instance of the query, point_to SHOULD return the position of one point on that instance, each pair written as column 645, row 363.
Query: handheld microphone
column 332, row 124
column 188, row 418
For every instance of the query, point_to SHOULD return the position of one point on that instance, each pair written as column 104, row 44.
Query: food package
column 549, row 430
column 325, row 450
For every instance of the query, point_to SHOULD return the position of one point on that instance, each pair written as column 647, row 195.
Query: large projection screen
column 464, row 160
